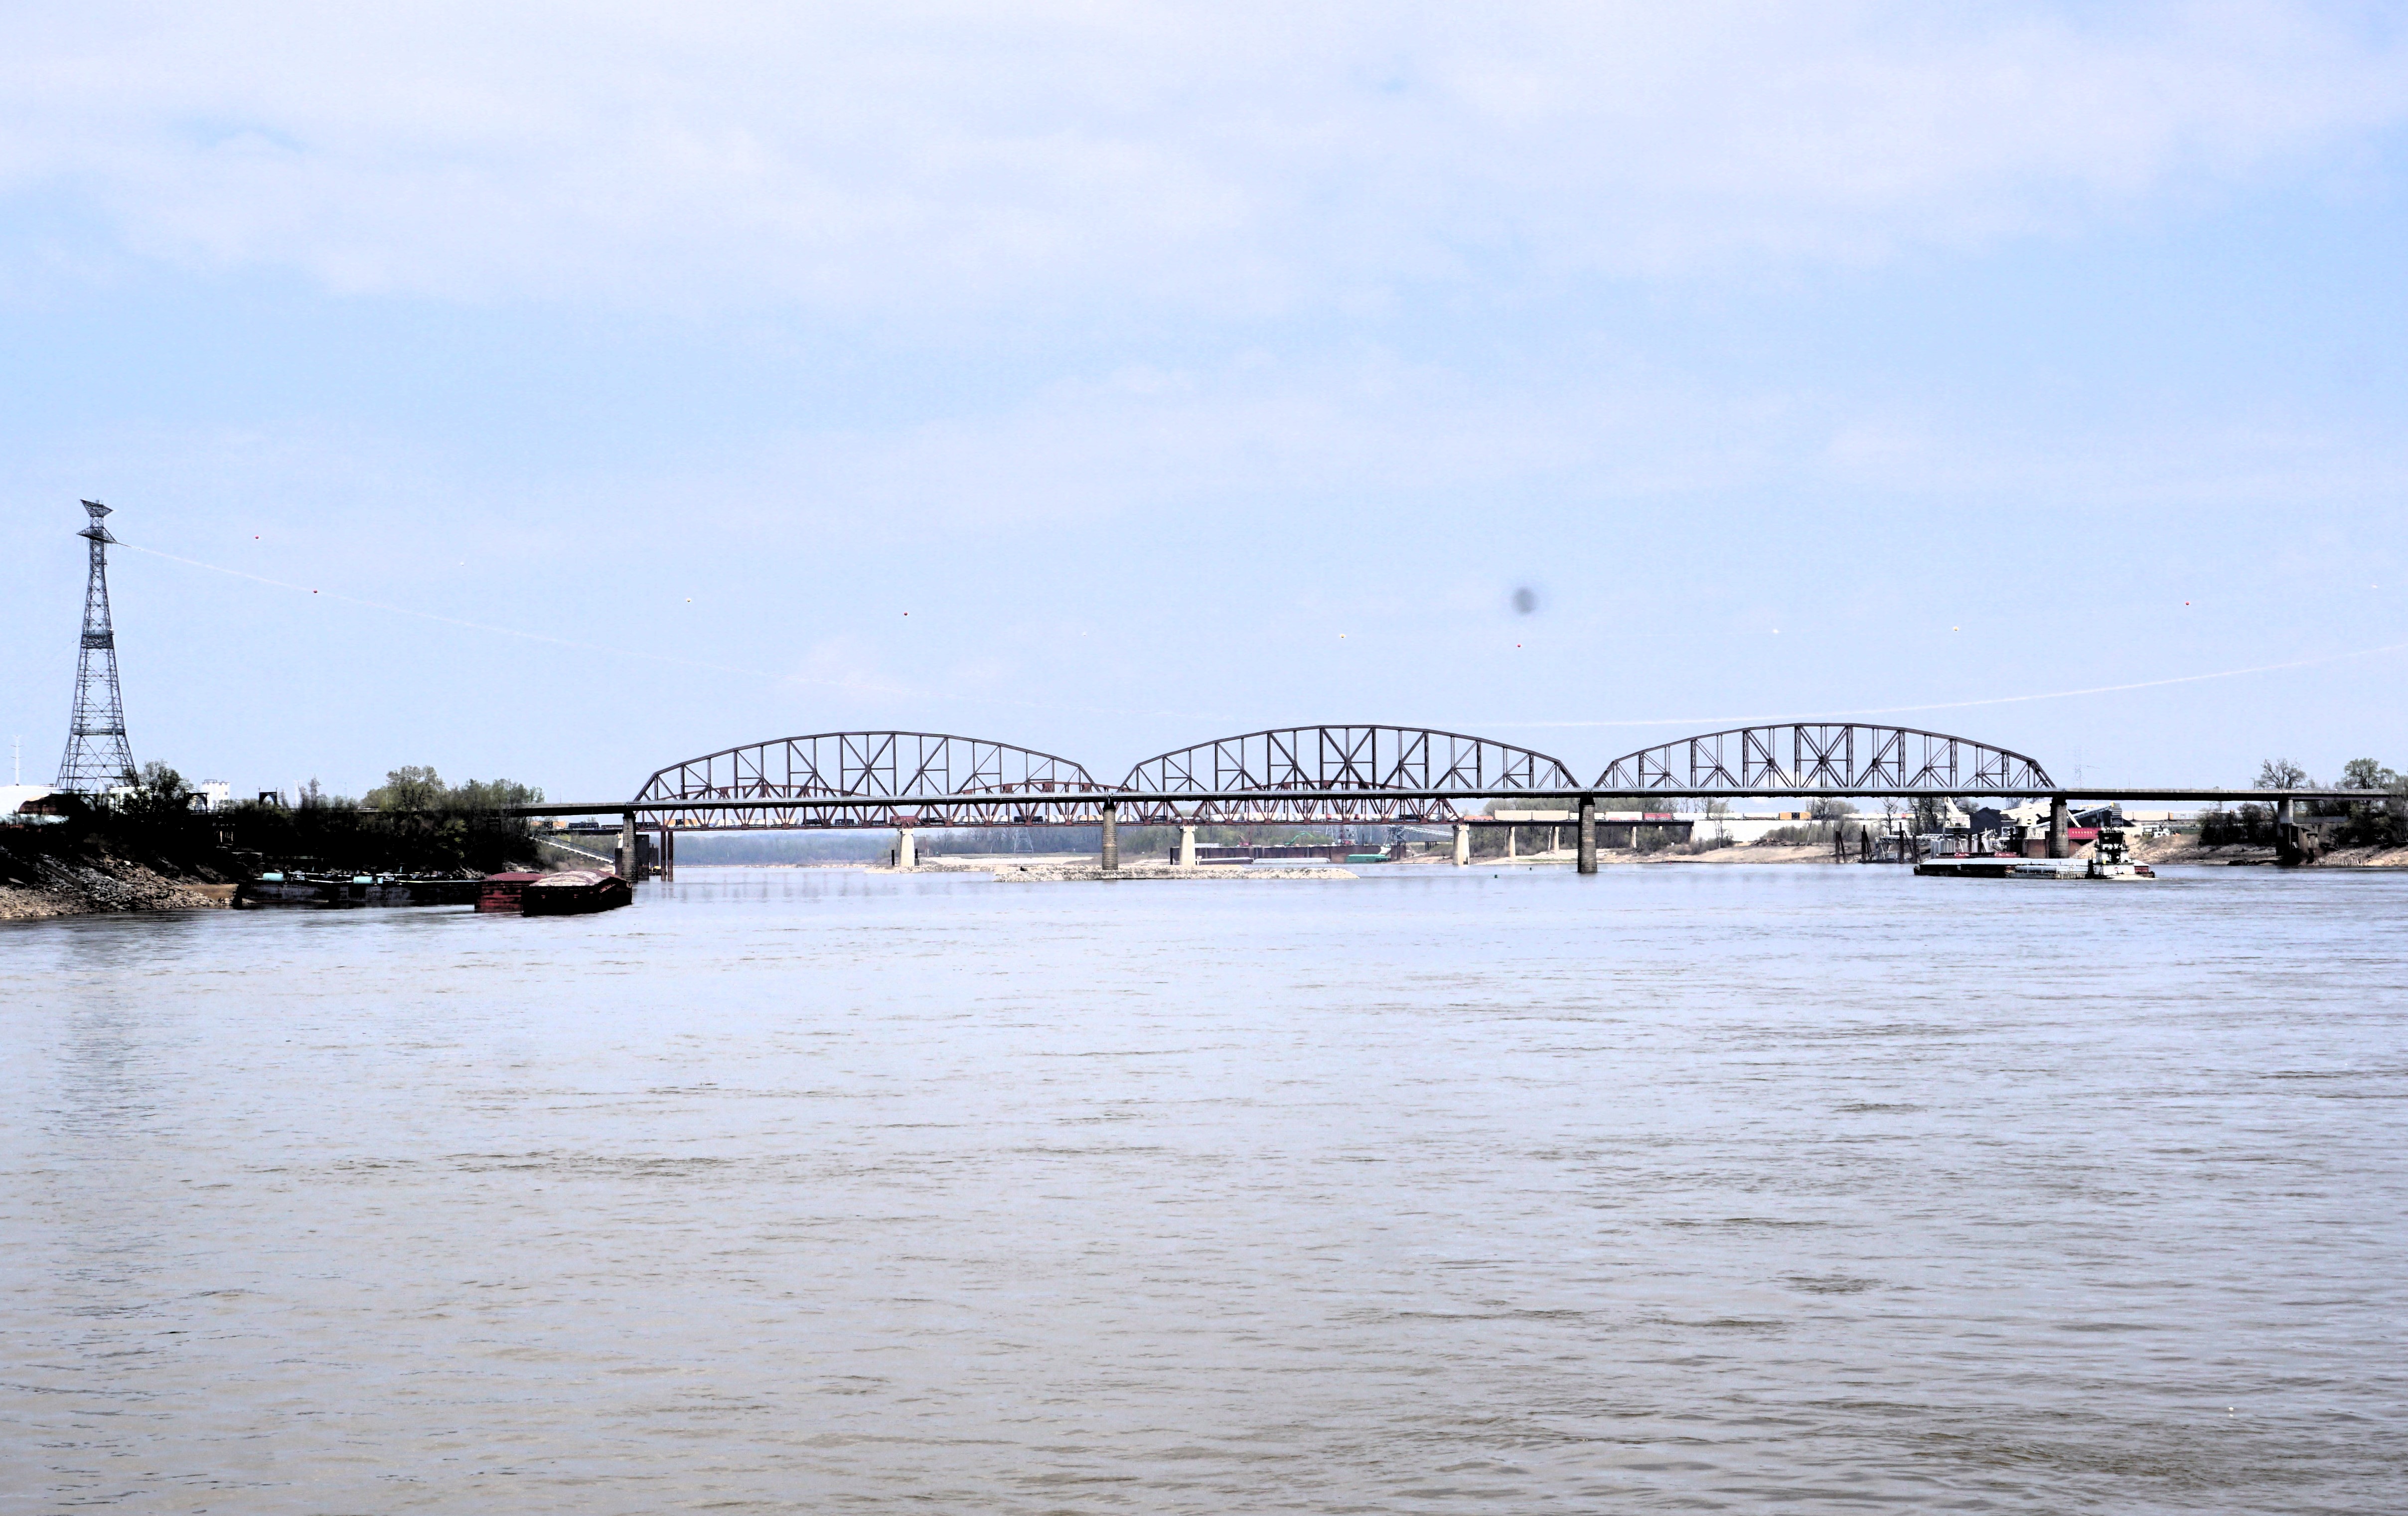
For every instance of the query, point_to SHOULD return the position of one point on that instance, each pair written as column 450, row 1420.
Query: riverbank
column 2185, row 850
column 109, row 858
column 40, row 878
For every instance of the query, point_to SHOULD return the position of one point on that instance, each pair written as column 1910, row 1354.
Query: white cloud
column 910, row 163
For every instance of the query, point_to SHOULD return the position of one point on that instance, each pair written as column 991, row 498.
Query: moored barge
column 338, row 891
column 575, row 892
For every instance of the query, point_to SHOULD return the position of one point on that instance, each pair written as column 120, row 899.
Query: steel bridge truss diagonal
column 992, row 780
column 1284, row 776
column 1377, row 761
column 1804, row 756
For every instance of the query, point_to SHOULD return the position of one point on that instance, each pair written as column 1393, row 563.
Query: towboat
column 2108, row 861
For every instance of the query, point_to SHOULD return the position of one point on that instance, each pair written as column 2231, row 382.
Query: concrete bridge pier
column 2057, row 817
column 1111, row 859
column 1588, row 834
column 905, row 855
column 1187, row 847
column 624, row 864
column 2286, row 810
column 668, row 855
column 1462, row 845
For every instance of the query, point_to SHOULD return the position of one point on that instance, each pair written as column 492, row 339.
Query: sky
column 553, row 393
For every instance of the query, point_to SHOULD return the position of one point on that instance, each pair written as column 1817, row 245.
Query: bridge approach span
column 1804, row 757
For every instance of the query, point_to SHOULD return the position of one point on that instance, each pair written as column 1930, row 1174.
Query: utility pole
column 98, row 757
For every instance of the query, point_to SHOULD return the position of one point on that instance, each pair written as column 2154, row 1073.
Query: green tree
column 2366, row 774
column 491, row 795
column 408, row 787
column 413, row 788
column 159, row 792
column 158, row 779
column 2281, row 774
column 2378, row 824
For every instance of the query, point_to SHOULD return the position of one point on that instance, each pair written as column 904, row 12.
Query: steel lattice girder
column 786, row 773
column 1366, row 758
column 1808, row 755
column 986, row 783
column 787, row 815
column 1270, row 811
column 1349, row 757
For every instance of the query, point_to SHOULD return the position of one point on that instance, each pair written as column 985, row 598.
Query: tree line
column 412, row 824
column 2381, row 821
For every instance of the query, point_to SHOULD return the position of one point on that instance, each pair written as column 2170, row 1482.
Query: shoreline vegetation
column 147, row 849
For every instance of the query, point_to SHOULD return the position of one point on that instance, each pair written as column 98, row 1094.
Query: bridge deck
column 1133, row 807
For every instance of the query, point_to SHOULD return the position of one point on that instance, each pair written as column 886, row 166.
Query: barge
column 575, row 892
column 339, row 890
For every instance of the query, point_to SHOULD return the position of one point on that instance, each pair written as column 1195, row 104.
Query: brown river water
column 1682, row 1189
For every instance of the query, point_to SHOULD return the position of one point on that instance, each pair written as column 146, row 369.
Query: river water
column 1705, row 1188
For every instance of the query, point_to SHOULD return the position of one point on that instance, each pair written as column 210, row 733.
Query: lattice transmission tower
column 98, row 756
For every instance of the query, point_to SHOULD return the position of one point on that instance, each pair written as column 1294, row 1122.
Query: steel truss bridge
column 1290, row 775
column 1306, row 774
column 1317, row 774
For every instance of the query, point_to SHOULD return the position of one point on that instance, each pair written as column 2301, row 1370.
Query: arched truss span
column 1378, row 761
column 1805, row 755
column 786, row 774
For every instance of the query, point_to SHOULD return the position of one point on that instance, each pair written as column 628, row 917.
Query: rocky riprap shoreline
column 39, row 881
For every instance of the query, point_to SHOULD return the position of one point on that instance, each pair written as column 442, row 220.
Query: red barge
column 576, row 892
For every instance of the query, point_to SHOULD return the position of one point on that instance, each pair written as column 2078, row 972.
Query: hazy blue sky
column 1104, row 378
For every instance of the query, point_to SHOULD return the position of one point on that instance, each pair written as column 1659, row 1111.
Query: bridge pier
column 625, row 864
column 2057, row 819
column 1462, row 844
column 1588, row 834
column 905, row 855
column 1111, row 859
column 1187, row 847
column 668, row 855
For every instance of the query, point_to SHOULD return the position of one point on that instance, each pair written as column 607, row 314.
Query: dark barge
column 575, row 892
column 339, row 890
